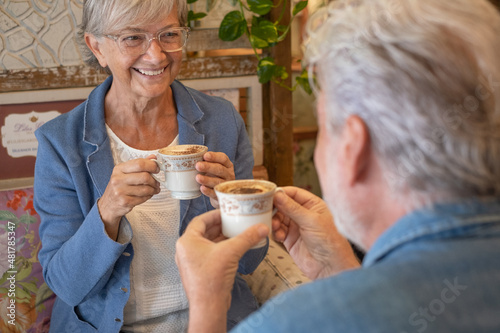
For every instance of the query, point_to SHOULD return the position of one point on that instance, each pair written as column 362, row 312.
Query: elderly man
column 408, row 155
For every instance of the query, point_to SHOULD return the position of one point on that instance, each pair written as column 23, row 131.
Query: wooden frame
column 278, row 112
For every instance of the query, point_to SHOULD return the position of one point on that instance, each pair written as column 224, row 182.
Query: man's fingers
column 248, row 239
column 302, row 197
column 202, row 223
column 289, row 207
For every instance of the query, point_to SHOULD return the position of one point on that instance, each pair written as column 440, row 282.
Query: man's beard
column 346, row 220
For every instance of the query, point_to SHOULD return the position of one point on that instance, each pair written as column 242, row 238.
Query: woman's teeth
column 150, row 73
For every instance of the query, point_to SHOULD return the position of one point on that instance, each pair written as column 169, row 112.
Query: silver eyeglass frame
column 116, row 38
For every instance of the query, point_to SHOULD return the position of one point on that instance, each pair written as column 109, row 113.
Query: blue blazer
column 88, row 271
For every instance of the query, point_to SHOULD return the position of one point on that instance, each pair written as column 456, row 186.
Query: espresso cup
column 178, row 165
column 244, row 203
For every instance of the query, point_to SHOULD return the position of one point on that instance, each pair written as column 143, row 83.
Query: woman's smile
column 150, row 71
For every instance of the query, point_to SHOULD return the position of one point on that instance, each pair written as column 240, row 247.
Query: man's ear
column 355, row 149
column 95, row 46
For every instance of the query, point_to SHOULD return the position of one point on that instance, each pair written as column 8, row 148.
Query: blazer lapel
column 100, row 162
column 188, row 114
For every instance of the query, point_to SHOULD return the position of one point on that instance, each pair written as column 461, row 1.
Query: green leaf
column 299, row 7
column 21, row 293
column 5, row 215
column 233, row 26
column 303, row 81
column 24, row 271
column 284, row 33
column 23, row 300
column 4, row 278
column 265, row 69
column 282, row 28
column 261, row 7
column 265, row 30
column 29, row 286
column 256, row 20
column 267, row 61
column 43, row 294
column 192, row 16
column 258, row 43
column 280, row 72
column 191, row 1
column 27, row 219
column 199, row 16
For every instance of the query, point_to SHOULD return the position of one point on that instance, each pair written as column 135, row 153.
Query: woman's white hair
column 102, row 17
column 425, row 77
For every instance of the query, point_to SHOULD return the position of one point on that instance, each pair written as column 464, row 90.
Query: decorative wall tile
column 39, row 33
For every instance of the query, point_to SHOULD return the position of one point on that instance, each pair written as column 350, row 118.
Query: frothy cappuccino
column 182, row 150
column 243, row 187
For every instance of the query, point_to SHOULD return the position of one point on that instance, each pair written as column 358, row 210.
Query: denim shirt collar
column 438, row 221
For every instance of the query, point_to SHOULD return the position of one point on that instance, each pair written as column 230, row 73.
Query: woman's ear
column 95, row 46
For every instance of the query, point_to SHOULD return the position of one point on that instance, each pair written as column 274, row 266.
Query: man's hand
column 207, row 264
column 305, row 226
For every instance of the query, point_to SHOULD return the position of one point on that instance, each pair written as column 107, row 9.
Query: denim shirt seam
column 450, row 223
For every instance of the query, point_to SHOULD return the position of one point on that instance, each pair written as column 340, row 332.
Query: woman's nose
column 154, row 48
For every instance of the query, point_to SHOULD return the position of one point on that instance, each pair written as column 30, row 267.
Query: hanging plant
column 262, row 35
column 192, row 16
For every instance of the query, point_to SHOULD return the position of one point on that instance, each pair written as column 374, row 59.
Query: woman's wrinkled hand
column 215, row 168
column 130, row 185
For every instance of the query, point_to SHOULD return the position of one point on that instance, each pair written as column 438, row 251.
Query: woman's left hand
column 216, row 168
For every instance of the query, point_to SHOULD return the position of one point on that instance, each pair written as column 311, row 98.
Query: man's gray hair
column 102, row 17
column 425, row 77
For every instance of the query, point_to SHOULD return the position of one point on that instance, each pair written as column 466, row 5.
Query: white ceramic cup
column 178, row 165
column 244, row 203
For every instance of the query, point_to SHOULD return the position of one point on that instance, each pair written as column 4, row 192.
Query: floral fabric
column 21, row 279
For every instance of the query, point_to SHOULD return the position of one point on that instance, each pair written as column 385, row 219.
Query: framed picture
column 21, row 113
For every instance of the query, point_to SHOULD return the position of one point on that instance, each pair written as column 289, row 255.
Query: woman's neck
column 142, row 123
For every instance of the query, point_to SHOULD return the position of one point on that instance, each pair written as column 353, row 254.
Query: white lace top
column 157, row 300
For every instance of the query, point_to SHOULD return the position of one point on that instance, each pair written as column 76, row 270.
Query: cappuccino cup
column 244, row 203
column 178, row 165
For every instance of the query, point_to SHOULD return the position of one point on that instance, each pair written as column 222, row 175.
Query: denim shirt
column 434, row 270
column 89, row 272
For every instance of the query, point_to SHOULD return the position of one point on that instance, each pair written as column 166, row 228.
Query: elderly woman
column 108, row 228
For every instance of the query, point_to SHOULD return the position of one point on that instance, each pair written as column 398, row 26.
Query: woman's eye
column 132, row 38
column 169, row 34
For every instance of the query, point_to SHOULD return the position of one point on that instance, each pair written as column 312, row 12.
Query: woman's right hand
column 305, row 226
column 130, row 184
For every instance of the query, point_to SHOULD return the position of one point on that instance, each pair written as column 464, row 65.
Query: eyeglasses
column 135, row 44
